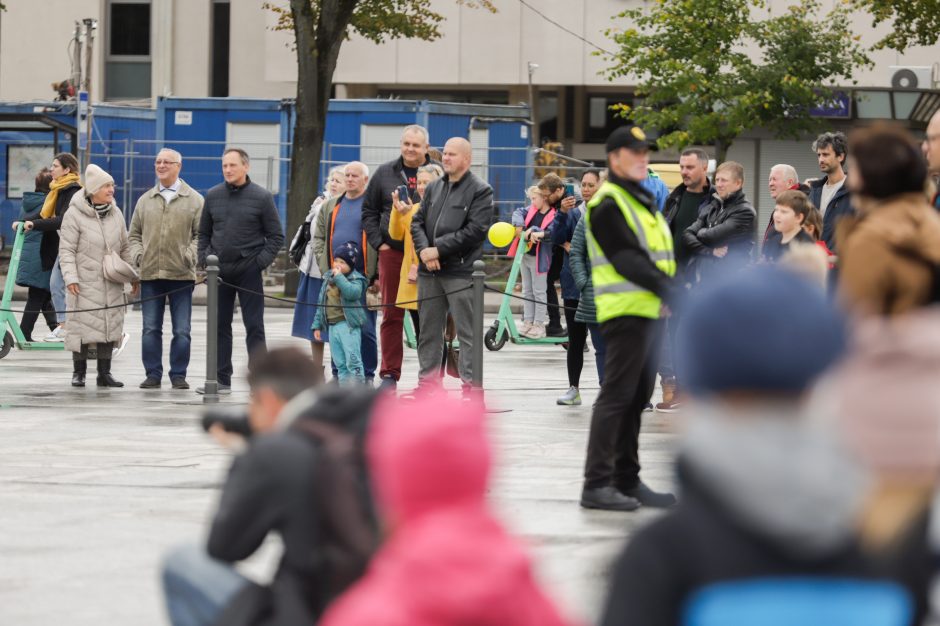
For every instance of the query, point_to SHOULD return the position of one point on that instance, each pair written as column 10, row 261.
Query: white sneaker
column 537, row 331
column 56, row 335
column 524, row 328
column 116, row 352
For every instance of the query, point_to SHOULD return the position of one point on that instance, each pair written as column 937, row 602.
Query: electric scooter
column 504, row 327
column 14, row 336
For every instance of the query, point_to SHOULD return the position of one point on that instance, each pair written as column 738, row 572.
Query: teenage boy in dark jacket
column 759, row 497
column 241, row 226
column 277, row 486
column 448, row 232
column 725, row 230
column 376, row 212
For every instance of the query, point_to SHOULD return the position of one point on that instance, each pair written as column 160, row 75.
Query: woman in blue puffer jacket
column 30, row 273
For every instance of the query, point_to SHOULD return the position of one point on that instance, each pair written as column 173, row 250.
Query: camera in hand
column 231, row 421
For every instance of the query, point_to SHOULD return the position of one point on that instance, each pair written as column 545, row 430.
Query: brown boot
column 671, row 399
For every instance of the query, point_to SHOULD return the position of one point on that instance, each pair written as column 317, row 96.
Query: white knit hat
column 95, row 179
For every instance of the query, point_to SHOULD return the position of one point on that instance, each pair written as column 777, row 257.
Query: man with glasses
column 163, row 237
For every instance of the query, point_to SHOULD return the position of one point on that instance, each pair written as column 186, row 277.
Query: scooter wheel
column 491, row 342
column 7, row 344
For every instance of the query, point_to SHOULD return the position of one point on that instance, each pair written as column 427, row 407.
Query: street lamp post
column 533, row 128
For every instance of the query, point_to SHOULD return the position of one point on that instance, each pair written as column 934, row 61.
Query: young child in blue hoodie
column 340, row 308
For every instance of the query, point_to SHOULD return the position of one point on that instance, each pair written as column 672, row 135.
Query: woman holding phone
column 399, row 228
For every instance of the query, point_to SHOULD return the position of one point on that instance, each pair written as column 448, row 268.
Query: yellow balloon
column 501, row 234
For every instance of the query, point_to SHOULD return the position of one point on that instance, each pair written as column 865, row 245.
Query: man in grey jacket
column 241, row 226
column 448, row 232
column 163, row 236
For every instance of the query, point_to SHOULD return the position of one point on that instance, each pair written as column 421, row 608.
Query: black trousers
column 577, row 338
column 554, row 273
column 629, row 377
column 37, row 299
column 252, row 316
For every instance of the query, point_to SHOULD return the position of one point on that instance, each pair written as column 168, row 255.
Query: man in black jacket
column 681, row 210
column 376, row 212
column 277, row 485
column 830, row 194
column 725, row 230
column 638, row 251
column 448, row 232
column 241, row 226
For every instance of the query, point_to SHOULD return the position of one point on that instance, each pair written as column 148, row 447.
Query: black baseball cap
column 631, row 137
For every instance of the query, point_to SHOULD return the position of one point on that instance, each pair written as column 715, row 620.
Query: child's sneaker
column 571, row 398
column 537, row 331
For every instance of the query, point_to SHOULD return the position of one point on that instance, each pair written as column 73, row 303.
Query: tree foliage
column 913, row 22
column 319, row 29
column 709, row 70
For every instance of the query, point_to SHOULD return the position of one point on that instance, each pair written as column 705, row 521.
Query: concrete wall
column 478, row 48
column 33, row 46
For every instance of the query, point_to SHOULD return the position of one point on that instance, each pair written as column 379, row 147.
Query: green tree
column 320, row 27
column 710, row 70
column 913, row 22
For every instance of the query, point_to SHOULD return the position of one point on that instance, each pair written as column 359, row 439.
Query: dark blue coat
column 839, row 207
column 30, row 272
column 565, row 224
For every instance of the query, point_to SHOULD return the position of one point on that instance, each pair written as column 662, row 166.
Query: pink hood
column 448, row 562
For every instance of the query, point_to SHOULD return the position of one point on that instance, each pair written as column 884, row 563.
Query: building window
column 601, row 120
column 127, row 59
column 221, row 28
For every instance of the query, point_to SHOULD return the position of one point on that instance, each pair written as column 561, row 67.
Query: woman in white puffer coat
column 91, row 226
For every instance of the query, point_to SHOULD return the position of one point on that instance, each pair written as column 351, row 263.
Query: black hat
column 631, row 137
column 348, row 252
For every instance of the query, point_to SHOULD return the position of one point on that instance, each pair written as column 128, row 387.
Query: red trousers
column 393, row 318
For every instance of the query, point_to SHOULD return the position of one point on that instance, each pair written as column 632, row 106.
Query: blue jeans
column 600, row 349
column 346, row 350
column 181, row 308
column 57, row 287
column 197, row 587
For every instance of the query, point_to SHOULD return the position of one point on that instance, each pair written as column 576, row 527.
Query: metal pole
column 270, row 174
column 476, row 362
column 212, row 325
column 533, row 139
column 90, row 26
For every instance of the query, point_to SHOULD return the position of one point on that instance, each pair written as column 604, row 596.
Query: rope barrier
column 524, row 299
column 343, row 306
column 105, row 308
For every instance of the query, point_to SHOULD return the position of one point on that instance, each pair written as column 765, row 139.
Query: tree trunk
column 318, row 35
column 721, row 150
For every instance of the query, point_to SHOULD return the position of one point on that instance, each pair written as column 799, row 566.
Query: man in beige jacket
column 163, row 237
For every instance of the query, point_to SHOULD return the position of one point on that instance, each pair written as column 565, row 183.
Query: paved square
column 96, row 485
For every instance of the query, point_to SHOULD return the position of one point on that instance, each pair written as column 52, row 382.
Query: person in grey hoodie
column 759, row 494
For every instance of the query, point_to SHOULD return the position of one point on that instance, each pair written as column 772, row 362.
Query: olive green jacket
column 163, row 235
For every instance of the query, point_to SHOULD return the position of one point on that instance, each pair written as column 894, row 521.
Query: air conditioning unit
column 911, row 77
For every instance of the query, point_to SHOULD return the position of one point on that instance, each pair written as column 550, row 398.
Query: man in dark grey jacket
column 448, row 232
column 241, row 226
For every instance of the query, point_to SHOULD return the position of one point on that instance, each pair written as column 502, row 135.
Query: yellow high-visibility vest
column 614, row 295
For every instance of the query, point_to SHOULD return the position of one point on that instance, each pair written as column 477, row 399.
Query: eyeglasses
column 162, row 162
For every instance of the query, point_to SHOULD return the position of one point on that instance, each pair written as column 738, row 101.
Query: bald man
column 932, row 152
column 448, row 232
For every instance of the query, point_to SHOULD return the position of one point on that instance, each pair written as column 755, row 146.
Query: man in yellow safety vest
column 632, row 266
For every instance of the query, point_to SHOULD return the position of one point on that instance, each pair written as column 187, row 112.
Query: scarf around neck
column 48, row 205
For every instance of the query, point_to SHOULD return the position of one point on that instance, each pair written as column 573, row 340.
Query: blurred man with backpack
column 302, row 476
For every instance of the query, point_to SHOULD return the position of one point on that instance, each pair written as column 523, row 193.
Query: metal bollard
column 212, row 329
column 476, row 362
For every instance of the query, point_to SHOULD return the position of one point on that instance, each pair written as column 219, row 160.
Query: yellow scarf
column 48, row 205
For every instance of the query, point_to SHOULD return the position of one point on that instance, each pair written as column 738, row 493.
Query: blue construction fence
column 125, row 139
